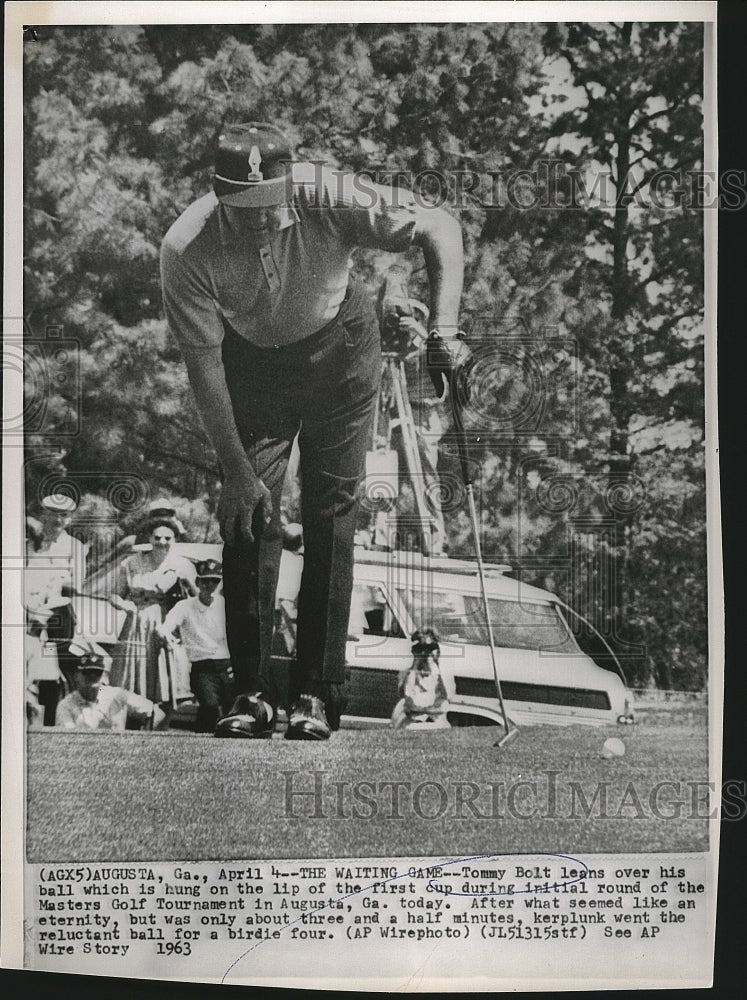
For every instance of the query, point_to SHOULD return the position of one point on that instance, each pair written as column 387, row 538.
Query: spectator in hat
column 164, row 508
column 159, row 509
column 49, row 540
column 201, row 624
column 55, row 568
column 94, row 704
column 150, row 583
column 278, row 336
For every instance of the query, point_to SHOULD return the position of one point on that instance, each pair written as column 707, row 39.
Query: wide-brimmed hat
column 161, row 508
column 253, row 166
column 61, row 503
column 147, row 527
column 164, row 511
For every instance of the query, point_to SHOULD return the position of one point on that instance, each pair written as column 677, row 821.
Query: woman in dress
column 150, row 583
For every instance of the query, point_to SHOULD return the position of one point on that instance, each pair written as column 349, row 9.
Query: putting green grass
column 172, row 796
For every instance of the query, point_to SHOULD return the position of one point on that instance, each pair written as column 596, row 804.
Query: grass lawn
column 175, row 796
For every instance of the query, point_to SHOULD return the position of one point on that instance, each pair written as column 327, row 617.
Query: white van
column 545, row 677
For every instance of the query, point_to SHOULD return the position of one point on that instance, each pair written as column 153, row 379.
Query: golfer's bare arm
column 190, row 310
column 242, row 490
column 208, row 381
column 439, row 236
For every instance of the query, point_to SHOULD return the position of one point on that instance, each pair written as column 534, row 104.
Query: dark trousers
column 211, row 684
column 50, row 693
column 60, row 629
column 326, row 387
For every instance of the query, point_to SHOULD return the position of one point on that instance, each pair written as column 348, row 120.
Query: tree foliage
column 600, row 303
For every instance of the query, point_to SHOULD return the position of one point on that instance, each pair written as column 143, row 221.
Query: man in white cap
column 52, row 549
column 280, row 339
column 94, row 705
column 55, row 568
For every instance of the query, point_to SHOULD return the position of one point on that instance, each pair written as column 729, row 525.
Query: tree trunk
column 620, row 370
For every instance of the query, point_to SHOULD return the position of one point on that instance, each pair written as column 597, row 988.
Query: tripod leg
column 412, row 454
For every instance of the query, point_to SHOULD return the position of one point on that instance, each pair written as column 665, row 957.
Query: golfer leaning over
column 278, row 337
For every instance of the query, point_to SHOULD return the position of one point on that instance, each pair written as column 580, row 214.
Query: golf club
column 511, row 731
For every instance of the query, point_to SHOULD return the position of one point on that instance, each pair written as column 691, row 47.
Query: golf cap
column 61, row 503
column 253, row 166
column 89, row 655
column 209, row 569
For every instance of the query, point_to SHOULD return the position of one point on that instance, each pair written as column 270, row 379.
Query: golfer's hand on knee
column 245, row 507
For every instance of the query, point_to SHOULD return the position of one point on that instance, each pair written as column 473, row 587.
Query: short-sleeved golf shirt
column 277, row 286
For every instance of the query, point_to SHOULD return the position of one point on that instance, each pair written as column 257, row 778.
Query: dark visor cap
column 209, row 569
column 253, row 166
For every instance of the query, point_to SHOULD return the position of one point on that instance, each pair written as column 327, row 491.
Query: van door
column 378, row 651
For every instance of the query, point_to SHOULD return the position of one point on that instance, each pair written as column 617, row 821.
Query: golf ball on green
column 613, row 747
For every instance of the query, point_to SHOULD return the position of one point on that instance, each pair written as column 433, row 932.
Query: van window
column 370, row 613
column 516, row 625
